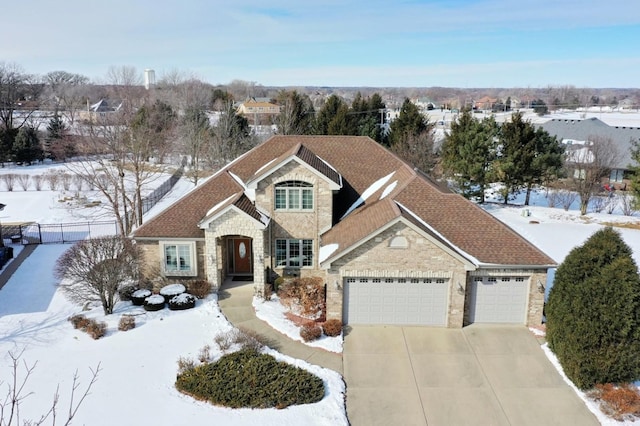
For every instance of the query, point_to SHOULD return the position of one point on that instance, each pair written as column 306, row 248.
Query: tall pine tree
column 468, row 152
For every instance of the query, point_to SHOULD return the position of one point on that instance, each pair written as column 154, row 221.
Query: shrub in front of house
column 126, row 323
column 332, row 327
column 243, row 337
column 154, row 303
column 310, row 332
column 138, row 296
column 172, row 290
column 593, row 325
column 199, row 288
column 303, row 296
column 125, row 292
column 249, row 379
column 79, row 321
column 621, row 402
column 182, row 301
column 95, row 329
column 277, row 283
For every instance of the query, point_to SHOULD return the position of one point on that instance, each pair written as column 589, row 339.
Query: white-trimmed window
column 294, row 253
column 178, row 258
column 294, row 195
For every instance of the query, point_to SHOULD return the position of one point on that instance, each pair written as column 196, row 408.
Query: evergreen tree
column 635, row 174
column 332, row 119
column 56, row 132
column 26, row 147
column 410, row 123
column 296, row 113
column 593, row 312
column 539, row 107
column 411, row 138
column 527, row 157
column 367, row 118
column 468, row 152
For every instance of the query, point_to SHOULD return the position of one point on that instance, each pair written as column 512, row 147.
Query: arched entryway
column 239, row 256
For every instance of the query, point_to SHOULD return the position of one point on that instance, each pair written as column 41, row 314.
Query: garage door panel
column 501, row 300
column 395, row 301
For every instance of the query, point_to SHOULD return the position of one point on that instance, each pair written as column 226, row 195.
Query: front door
column 242, row 255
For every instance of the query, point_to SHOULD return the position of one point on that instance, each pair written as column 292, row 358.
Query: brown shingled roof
column 181, row 219
column 361, row 223
column 469, row 227
column 361, row 162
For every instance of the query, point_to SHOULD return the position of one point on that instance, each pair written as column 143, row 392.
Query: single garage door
column 405, row 301
column 499, row 299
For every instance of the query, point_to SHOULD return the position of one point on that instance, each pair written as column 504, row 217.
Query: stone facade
column 233, row 223
column 417, row 257
column 295, row 224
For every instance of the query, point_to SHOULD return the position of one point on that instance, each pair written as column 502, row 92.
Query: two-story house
column 392, row 246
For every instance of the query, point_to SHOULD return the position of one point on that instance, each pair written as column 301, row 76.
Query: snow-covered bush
column 182, row 301
column 154, row 303
column 172, row 290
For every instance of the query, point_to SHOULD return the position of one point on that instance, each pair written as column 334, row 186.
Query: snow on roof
column 375, row 186
column 250, row 193
column 389, row 189
column 326, row 251
column 264, row 166
column 221, row 203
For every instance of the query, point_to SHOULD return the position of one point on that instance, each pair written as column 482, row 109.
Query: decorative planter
column 154, row 303
column 172, row 290
column 182, row 301
column 138, row 296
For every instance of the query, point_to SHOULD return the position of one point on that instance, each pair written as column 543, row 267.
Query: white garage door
column 499, row 299
column 410, row 301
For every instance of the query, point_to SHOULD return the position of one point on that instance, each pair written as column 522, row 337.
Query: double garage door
column 399, row 301
column 499, row 299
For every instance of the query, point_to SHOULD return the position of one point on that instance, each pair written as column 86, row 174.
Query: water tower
column 149, row 78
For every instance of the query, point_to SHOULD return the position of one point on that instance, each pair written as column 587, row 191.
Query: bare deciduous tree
column 588, row 165
column 17, row 393
column 67, row 92
column 94, row 270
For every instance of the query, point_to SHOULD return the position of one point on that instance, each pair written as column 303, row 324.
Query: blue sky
column 405, row 43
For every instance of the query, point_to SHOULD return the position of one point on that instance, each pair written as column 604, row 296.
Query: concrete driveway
column 479, row 375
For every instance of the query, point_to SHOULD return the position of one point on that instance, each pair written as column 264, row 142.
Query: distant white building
column 149, row 78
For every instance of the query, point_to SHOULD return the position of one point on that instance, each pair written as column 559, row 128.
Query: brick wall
column 419, row 258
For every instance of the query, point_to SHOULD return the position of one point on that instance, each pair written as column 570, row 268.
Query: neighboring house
column 258, row 106
column 101, row 111
column 484, row 103
column 577, row 135
column 392, row 246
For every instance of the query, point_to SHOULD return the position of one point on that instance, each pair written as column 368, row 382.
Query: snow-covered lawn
column 138, row 367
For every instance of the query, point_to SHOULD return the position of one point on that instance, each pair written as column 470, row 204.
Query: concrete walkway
column 478, row 375
column 12, row 266
column 235, row 300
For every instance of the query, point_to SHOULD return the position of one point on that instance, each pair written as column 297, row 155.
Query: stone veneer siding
column 233, row 223
column 299, row 224
column 422, row 258
column 152, row 259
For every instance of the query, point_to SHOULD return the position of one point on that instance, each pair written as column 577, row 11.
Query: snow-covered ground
column 138, row 367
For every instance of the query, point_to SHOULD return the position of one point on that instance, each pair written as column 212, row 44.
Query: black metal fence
column 36, row 233
column 152, row 199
